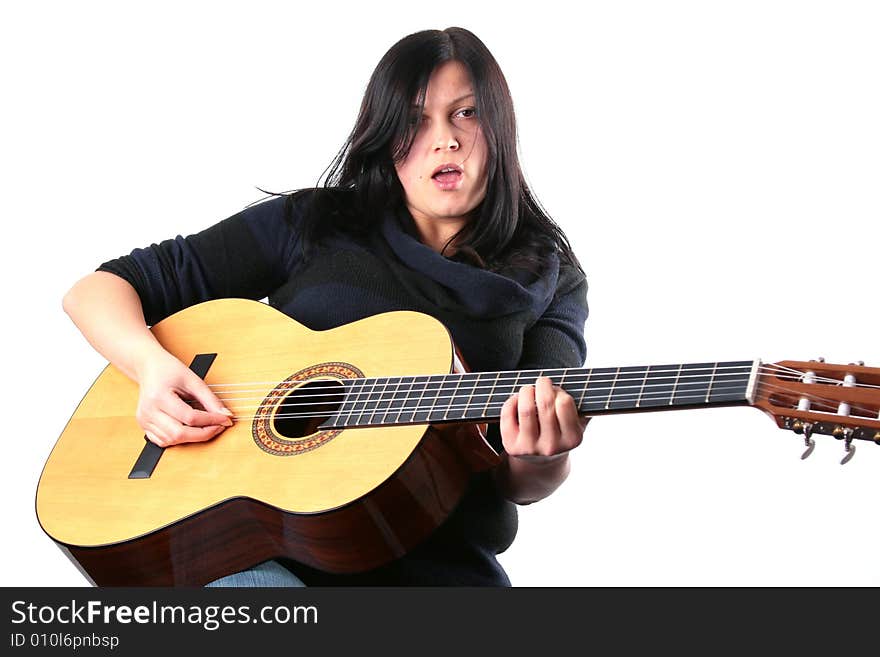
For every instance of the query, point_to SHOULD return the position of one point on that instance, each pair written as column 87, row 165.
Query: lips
column 447, row 172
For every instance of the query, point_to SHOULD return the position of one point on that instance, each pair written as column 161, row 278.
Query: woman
column 425, row 209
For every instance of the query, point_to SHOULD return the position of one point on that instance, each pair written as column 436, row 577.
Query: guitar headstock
column 810, row 397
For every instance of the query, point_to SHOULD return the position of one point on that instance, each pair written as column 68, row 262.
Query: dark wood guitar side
column 242, row 532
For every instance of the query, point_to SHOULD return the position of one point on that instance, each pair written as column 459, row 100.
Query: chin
column 451, row 210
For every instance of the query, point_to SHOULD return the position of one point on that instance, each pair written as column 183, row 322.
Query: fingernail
column 226, row 411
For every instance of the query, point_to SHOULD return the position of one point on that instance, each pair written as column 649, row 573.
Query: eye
column 467, row 113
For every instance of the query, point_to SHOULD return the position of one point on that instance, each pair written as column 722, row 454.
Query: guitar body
column 339, row 500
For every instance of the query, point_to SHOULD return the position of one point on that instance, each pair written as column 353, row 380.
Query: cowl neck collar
column 477, row 291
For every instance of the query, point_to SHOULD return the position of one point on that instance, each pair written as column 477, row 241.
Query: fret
column 446, row 396
column 526, row 378
column 601, row 383
column 410, row 400
column 489, row 399
column 373, row 402
column 458, row 404
column 692, row 384
column 731, row 382
column 478, row 399
column 660, row 386
column 580, row 403
column 449, row 400
column 420, row 385
column 505, row 391
column 514, row 388
column 343, row 417
column 562, row 376
column 572, row 381
column 611, row 391
column 709, row 387
column 380, row 399
column 501, row 392
column 677, row 377
column 390, row 400
column 432, row 392
column 362, row 402
column 642, row 388
column 626, row 388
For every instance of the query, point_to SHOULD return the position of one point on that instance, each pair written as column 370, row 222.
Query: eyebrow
column 453, row 102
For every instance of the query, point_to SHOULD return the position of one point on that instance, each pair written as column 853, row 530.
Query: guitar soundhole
column 304, row 409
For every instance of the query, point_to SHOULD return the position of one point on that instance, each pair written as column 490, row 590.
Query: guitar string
column 516, row 374
column 390, row 395
column 720, row 390
column 385, row 410
column 799, row 374
column 866, row 411
column 571, row 386
column 446, row 407
column 566, row 370
column 334, row 389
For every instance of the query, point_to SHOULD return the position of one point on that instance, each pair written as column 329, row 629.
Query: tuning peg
column 845, row 434
column 807, row 429
column 850, row 452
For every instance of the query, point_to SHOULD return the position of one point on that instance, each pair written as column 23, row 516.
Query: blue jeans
column 266, row 574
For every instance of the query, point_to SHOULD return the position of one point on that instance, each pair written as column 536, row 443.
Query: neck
column 435, row 232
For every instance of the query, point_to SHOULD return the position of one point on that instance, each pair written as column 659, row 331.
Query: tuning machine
column 805, row 428
column 846, row 435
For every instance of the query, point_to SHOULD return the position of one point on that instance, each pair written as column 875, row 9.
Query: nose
column 445, row 140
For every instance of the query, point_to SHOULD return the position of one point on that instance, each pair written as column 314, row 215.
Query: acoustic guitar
column 351, row 445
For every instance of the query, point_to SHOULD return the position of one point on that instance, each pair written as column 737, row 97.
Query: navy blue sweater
column 499, row 321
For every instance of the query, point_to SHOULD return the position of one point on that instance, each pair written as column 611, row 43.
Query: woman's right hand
column 108, row 311
column 163, row 411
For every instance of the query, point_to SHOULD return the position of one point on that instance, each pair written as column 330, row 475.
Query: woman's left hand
column 541, row 423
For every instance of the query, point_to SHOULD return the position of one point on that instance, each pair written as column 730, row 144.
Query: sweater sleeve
column 247, row 255
column 556, row 339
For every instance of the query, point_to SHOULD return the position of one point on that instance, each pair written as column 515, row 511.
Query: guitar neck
column 479, row 396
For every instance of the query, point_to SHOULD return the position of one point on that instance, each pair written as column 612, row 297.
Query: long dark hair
column 509, row 227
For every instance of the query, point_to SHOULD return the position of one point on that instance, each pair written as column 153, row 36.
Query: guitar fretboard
column 479, row 396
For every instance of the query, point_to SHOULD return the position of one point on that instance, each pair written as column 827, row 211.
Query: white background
column 715, row 165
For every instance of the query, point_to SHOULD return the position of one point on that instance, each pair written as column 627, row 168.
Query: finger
column 203, row 394
column 545, row 400
column 570, row 424
column 157, row 436
column 172, row 432
column 174, row 406
column 153, row 438
column 509, row 424
column 527, row 414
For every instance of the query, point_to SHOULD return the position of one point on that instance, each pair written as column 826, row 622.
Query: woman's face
column 448, row 135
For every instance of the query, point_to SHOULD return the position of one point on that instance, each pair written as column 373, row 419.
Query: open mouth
column 447, row 176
